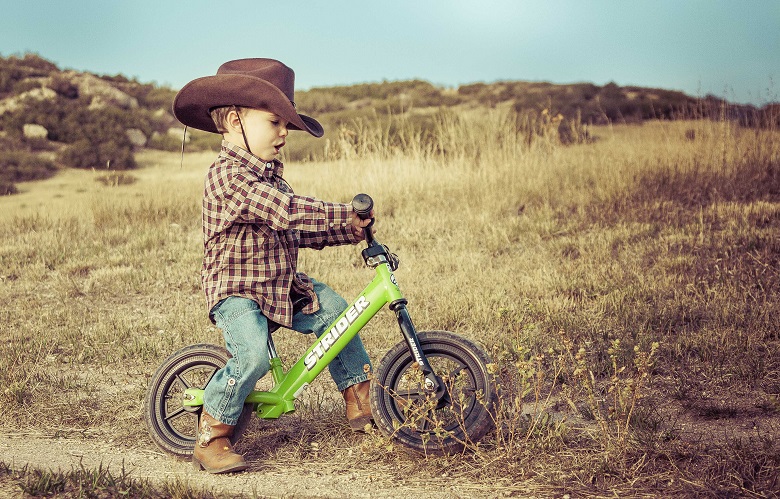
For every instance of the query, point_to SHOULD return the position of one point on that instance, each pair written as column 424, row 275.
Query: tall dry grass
column 624, row 285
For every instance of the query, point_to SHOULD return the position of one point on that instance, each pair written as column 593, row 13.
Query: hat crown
column 270, row 70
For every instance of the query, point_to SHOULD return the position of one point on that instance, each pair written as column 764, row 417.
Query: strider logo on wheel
column 327, row 340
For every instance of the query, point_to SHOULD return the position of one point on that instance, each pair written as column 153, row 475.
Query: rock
column 136, row 136
column 33, row 131
column 44, row 93
column 96, row 102
column 92, row 86
column 12, row 103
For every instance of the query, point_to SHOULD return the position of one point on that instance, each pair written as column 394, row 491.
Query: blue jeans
column 245, row 329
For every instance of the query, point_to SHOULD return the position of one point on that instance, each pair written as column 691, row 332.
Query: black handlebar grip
column 363, row 204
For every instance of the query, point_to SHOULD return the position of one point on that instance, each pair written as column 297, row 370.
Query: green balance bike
column 431, row 392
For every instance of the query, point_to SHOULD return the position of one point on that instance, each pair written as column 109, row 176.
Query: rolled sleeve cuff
column 334, row 229
column 340, row 225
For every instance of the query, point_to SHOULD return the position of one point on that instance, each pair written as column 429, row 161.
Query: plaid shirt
column 253, row 225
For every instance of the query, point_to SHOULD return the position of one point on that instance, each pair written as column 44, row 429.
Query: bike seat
column 299, row 302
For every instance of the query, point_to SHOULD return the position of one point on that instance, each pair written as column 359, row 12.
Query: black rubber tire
column 402, row 411
column 172, row 428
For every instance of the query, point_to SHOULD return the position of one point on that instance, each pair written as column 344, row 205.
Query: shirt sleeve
column 250, row 201
column 319, row 223
column 338, row 230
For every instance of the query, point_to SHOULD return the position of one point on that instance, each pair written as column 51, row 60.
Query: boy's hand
column 358, row 223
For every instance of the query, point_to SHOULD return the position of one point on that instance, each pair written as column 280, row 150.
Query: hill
column 52, row 118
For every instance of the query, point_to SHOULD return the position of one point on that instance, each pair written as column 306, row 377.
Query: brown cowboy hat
column 256, row 83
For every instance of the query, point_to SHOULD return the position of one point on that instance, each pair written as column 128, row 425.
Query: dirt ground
column 280, row 480
column 319, row 478
column 700, row 420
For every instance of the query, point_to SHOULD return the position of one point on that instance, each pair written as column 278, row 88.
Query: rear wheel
column 405, row 411
column 171, row 425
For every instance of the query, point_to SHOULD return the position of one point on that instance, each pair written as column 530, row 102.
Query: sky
column 726, row 48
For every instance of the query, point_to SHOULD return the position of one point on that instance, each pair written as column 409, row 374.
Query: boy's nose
column 283, row 132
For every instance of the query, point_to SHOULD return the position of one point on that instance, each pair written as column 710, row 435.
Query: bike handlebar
column 363, row 204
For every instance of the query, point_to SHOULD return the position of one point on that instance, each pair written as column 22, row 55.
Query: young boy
column 253, row 225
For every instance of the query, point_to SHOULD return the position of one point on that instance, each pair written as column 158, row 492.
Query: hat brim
column 193, row 103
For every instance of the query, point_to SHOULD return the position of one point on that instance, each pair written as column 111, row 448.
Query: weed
column 99, row 482
column 114, row 179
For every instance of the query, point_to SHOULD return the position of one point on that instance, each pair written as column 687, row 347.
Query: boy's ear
column 233, row 120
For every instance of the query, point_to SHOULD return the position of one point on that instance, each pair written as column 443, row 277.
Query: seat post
column 271, row 348
column 276, row 363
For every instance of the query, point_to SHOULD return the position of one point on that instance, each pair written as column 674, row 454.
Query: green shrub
column 33, row 61
column 96, row 136
column 14, row 69
column 25, row 85
column 7, row 188
column 319, row 101
column 157, row 97
column 20, row 166
column 202, row 141
column 110, row 154
column 164, row 142
column 63, row 86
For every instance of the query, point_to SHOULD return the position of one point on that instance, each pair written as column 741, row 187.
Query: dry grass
column 569, row 263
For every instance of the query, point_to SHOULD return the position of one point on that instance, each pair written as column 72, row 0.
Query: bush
column 320, row 101
column 96, row 136
column 157, row 97
column 202, row 141
column 19, row 166
column 63, row 86
column 7, row 188
column 164, row 142
column 25, row 85
column 15, row 69
column 111, row 154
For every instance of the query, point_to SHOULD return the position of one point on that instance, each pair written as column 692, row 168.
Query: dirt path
column 289, row 481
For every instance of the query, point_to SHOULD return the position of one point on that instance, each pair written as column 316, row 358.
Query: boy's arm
column 340, row 229
column 320, row 223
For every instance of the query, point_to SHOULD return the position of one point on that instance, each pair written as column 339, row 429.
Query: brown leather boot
column 213, row 450
column 358, row 405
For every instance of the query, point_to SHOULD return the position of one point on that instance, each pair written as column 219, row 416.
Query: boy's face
column 265, row 132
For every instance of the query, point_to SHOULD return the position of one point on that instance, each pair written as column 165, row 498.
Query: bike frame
column 382, row 290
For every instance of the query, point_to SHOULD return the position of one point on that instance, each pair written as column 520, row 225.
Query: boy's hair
column 219, row 114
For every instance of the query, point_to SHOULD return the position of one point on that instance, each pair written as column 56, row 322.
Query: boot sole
column 358, row 425
column 227, row 469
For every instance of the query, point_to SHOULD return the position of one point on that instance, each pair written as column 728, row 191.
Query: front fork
column 377, row 256
column 433, row 384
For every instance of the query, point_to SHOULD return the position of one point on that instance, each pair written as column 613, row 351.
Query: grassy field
column 626, row 287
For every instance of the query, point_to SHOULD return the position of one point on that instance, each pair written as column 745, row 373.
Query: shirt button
column 231, row 382
column 269, row 165
column 331, row 224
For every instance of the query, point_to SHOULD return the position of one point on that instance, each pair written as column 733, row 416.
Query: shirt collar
column 258, row 166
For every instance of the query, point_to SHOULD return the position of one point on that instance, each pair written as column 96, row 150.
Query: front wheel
column 171, row 425
column 404, row 411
